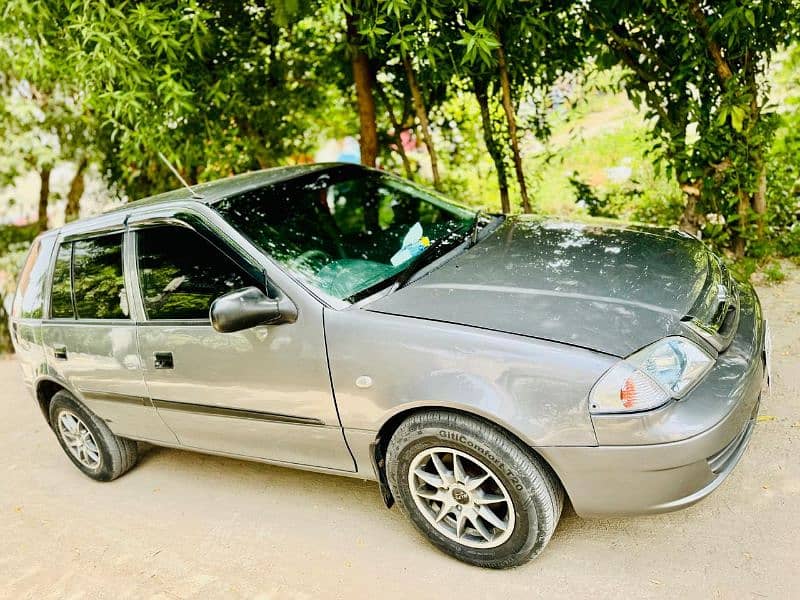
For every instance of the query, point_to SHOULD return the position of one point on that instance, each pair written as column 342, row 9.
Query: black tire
column 117, row 455
column 536, row 494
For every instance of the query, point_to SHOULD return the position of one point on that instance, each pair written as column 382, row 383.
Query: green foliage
column 223, row 86
column 783, row 167
column 479, row 43
column 11, row 235
column 641, row 200
column 742, row 269
column 699, row 70
column 774, row 273
column 659, row 204
column 218, row 87
column 587, row 198
column 42, row 116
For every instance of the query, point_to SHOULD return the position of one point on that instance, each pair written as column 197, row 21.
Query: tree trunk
column 690, row 220
column 398, row 142
column 760, row 198
column 739, row 241
column 422, row 115
column 362, row 76
column 482, row 95
column 723, row 68
column 398, row 129
column 511, row 117
column 44, row 197
column 73, row 208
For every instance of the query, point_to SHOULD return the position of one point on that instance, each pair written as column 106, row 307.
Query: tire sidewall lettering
column 485, row 453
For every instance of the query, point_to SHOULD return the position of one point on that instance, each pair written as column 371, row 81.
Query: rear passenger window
column 182, row 273
column 29, row 299
column 61, row 293
column 97, row 279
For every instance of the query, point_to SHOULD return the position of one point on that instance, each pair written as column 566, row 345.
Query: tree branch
column 624, row 37
column 723, row 68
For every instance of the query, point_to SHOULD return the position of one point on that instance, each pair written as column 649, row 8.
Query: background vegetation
column 673, row 113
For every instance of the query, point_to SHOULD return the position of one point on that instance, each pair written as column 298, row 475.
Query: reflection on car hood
column 608, row 287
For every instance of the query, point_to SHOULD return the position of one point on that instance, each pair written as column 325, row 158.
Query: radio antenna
column 178, row 175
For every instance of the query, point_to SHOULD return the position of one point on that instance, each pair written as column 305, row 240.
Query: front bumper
column 675, row 456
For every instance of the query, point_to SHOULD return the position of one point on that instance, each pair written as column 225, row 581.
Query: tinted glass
column 97, row 278
column 29, row 298
column 182, row 273
column 346, row 230
column 61, row 294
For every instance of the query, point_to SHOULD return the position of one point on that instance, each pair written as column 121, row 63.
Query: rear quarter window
column 29, row 299
column 61, row 294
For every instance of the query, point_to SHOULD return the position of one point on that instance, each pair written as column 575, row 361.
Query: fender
column 44, row 387
column 384, row 365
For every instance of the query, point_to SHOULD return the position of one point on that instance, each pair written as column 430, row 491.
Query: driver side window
column 181, row 273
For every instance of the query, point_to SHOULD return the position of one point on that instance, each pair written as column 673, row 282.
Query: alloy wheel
column 461, row 497
column 79, row 440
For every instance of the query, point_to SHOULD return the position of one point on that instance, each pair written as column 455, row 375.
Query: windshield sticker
column 414, row 244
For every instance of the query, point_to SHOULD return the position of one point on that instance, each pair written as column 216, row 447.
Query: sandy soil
column 183, row 525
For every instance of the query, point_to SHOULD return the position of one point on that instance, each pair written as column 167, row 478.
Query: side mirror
column 248, row 307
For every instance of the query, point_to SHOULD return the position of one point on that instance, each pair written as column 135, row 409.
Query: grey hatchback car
column 480, row 368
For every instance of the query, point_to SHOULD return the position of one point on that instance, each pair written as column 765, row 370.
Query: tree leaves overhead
column 226, row 86
column 218, row 87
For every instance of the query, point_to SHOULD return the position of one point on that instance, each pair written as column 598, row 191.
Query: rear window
column 97, row 280
column 29, row 299
column 88, row 281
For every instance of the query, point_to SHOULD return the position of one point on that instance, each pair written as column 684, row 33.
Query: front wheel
column 472, row 489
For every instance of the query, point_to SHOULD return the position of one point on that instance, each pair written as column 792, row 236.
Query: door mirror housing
column 249, row 307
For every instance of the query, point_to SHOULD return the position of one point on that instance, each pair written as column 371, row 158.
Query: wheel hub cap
column 461, row 497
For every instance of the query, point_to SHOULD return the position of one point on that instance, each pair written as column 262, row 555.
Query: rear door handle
column 163, row 360
column 60, row 351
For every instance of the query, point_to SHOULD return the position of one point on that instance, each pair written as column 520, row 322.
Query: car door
column 89, row 338
column 264, row 392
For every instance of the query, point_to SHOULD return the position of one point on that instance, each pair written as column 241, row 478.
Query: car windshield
column 346, row 231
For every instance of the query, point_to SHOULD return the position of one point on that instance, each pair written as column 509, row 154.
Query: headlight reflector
column 675, row 363
column 647, row 379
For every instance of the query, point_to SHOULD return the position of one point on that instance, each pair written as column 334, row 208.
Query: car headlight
column 647, row 379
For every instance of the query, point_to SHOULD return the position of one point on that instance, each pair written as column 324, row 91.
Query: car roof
column 209, row 193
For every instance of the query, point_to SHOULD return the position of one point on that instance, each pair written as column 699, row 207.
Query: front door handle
column 163, row 360
column 60, row 351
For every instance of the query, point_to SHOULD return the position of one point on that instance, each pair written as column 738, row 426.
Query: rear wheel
column 472, row 489
column 87, row 440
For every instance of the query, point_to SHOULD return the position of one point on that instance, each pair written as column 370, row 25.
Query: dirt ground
column 184, row 525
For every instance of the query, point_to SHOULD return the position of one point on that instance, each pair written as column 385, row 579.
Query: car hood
column 607, row 287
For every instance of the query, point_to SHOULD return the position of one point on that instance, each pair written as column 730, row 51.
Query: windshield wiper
column 480, row 221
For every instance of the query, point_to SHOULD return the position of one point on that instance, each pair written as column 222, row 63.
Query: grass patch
column 773, row 273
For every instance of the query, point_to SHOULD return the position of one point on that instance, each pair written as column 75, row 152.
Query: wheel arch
column 46, row 388
column 390, row 425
